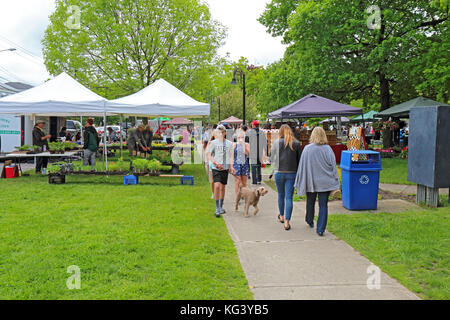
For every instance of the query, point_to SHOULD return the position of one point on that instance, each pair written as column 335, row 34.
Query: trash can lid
column 361, row 151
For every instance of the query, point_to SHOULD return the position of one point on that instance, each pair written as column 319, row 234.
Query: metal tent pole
column 121, row 137
column 105, row 152
column 81, row 133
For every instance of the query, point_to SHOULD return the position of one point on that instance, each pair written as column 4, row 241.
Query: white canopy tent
column 159, row 99
column 60, row 96
column 64, row 96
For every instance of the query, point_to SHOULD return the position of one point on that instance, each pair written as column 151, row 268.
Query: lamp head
column 234, row 81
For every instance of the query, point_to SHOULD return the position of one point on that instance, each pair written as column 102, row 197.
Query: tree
column 123, row 46
column 335, row 47
column 231, row 105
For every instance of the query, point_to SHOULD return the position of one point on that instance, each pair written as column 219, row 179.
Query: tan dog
column 251, row 198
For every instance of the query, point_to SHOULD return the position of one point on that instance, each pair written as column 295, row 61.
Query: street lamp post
column 242, row 74
column 10, row 49
column 218, row 104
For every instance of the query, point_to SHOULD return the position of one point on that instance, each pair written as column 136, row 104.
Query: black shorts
column 220, row 176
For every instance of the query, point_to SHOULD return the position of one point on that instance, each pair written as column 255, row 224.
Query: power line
column 12, row 75
column 40, row 63
column 20, row 47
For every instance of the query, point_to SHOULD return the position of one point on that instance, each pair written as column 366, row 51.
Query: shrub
column 53, row 169
column 140, row 165
column 153, row 165
column 404, row 153
column 25, row 147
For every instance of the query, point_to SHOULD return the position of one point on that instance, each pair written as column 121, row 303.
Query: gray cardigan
column 317, row 170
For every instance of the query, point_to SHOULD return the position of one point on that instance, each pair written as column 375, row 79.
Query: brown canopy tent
column 232, row 120
column 179, row 122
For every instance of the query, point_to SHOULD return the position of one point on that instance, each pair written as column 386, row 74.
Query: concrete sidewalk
column 298, row 264
column 406, row 189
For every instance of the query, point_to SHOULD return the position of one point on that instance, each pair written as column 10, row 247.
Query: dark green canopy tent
column 402, row 110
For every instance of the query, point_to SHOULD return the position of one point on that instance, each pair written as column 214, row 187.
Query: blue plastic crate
column 187, row 179
column 130, row 180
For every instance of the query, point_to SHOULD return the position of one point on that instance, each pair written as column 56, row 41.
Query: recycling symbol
column 364, row 179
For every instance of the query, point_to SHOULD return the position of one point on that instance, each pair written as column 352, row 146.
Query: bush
column 153, row 165
column 140, row 165
column 25, row 147
column 404, row 153
column 119, row 166
column 53, row 169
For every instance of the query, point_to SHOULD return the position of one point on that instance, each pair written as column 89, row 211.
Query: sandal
column 288, row 228
column 279, row 219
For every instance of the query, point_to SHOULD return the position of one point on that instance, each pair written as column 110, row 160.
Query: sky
column 23, row 22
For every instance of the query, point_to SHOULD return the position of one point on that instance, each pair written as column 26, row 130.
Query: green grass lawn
column 395, row 171
column 156, row 240
column 413, row 247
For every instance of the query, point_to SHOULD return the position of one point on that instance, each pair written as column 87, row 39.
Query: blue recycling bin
column 360, row 179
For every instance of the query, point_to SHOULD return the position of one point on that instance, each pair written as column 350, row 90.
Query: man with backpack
column 91, row 143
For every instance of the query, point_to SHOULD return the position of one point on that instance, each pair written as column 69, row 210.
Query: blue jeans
column 285, row 186
column 256, row 173
column 323, row 209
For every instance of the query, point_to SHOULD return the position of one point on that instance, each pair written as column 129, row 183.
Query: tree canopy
column 123, row 46
column 349, row 50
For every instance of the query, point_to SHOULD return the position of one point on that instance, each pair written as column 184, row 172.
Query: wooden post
column 421, row 194
column 432, row 197
column 427, row 195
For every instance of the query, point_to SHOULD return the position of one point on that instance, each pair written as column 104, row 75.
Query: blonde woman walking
column 316, row 177
column 285, row 157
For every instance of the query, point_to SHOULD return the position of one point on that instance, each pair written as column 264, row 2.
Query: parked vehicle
column 101, row 130
column 73, row 127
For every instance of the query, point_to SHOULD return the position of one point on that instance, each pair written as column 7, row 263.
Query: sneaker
column 217, row 213
column 222, row 211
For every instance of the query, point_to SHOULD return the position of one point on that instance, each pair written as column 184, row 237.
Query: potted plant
column 404, row 153
column 154, row 166
column 55, row 176
column 53, row 147
column 23, row 149
column 140, row 165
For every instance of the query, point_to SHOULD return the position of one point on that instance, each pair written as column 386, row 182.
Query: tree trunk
column 387, row 138
column 385, row 95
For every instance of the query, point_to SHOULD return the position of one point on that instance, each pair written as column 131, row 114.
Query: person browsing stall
column 91, row 143
column 40, row 139
column 220, row 154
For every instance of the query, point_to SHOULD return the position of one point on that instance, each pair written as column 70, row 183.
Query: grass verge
column 156, row 240
column 412, row 247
